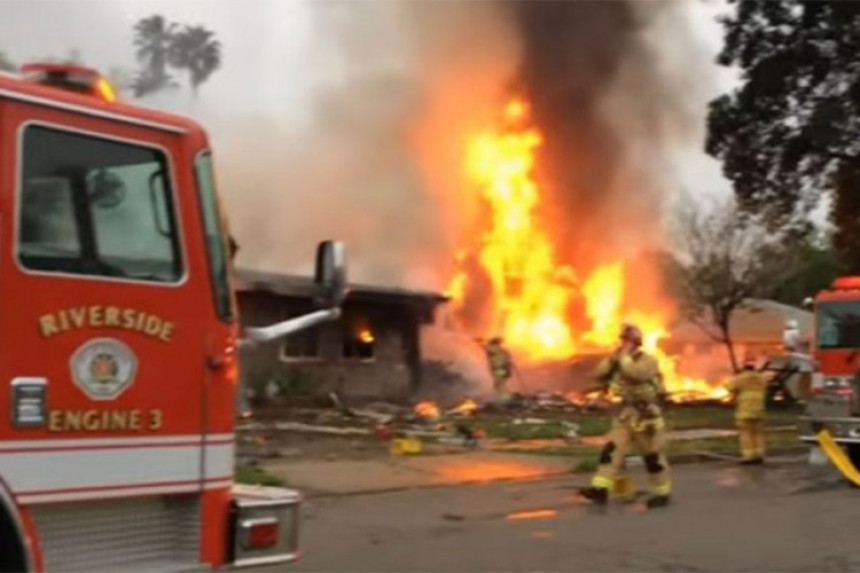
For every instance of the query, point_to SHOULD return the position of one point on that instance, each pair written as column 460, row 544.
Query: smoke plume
column 616, row 88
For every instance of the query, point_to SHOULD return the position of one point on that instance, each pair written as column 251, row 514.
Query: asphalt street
column 785, row 517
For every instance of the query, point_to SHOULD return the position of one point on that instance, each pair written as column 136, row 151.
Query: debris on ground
column 333, row 429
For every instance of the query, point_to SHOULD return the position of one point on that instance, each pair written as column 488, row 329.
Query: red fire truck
column 119, row 332
column 834, row 403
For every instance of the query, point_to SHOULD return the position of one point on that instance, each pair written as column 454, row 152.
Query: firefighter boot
column 597, row 495
column 656, row 501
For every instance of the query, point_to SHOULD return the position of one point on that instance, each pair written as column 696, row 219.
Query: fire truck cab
column 118, row 329
column 835, row 403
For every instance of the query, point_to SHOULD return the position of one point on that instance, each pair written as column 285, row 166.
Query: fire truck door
column 102, row 335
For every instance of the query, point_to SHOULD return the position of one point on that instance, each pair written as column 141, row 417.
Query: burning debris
column 466, row 408
column 427, row 410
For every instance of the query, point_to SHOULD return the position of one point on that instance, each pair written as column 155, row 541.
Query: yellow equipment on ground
column 838, row 457
column 624, row 488
column 406, row 446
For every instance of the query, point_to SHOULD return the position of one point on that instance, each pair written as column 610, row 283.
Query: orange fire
column 365, row 335
column 531, row 289
column 428, row 410
column 465, row 408
column 532, row 292
column 533, row 514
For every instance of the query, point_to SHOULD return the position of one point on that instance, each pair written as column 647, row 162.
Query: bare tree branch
column 724, row 259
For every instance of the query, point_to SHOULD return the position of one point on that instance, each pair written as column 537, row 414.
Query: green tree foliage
column 816, row 268
column 195, row 50
column 792, row 130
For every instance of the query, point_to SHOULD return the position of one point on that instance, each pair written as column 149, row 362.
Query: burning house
column 532, row 157
column 372, row 352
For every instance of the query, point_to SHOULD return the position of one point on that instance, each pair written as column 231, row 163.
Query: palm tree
column 153, row 38
column 195, row 49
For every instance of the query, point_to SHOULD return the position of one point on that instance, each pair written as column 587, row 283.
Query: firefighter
column 635, row 378
column 791, row 336
column 501, row 364
column 749, row 387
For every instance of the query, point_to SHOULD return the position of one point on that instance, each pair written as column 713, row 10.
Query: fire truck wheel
column 12, row 557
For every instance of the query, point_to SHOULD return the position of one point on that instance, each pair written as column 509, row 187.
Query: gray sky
column 269, row 54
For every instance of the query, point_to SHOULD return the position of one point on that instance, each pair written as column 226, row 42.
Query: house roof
column 248, row 280
column 759, row 321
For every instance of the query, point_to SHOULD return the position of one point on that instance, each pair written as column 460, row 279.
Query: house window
column 302, row 345
column 359, row 340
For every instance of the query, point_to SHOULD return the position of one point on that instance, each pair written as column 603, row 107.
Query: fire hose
column 837, row 456
column 293, row 325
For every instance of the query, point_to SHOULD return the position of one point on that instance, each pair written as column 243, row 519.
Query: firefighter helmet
column 631, row 333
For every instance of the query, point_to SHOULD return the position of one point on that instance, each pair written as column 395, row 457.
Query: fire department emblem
column 103, row 368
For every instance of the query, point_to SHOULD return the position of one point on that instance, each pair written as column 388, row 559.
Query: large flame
column 532, row 293
column 531, row 289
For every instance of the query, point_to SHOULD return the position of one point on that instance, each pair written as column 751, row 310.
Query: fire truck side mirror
column 330, row 274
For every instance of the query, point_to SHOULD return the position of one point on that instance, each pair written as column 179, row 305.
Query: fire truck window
column 89, row 206
column 839, row 325
column 48, row 217
column 216, row 240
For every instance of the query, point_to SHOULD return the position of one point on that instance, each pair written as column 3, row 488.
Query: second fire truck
column 835, row 404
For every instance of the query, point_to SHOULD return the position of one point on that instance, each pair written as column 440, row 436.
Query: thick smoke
column 614, row 95
column 573, row 53
column 405, row 82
